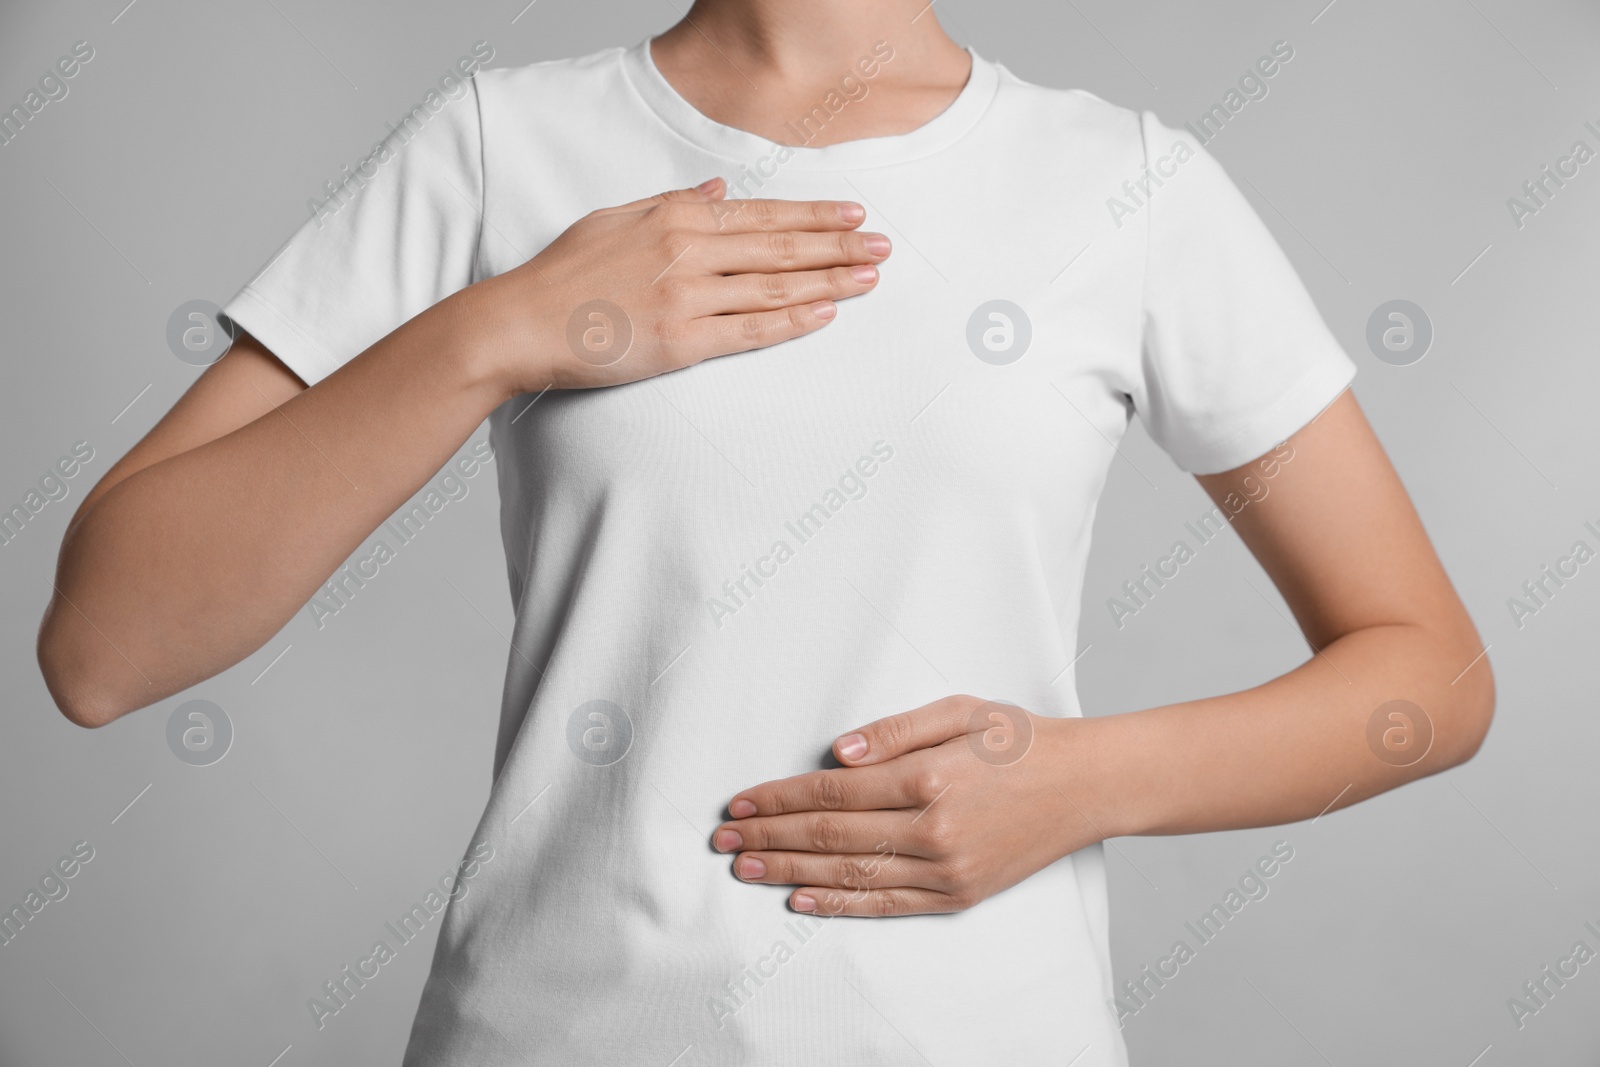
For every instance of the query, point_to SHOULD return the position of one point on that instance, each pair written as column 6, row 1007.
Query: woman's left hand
column 934, row 810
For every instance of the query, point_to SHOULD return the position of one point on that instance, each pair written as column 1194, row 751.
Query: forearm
column 190, row 563
column 1292, row 748
column 187, row 566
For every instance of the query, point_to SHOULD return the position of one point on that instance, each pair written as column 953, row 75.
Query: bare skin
column 755, row 66
column 171, row 572
column 917, row 821
column 202, row 542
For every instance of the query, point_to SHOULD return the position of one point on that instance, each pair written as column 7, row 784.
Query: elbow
column 1473, row 711
column 81, row 704
column 82, row 709
column 76, row 682
column 86, row 714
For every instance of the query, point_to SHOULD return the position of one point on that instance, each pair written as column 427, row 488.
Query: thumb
column 924, row 727
column 711, row 189
column 707, row 191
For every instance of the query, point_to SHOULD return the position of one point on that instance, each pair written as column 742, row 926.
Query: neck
column 794, row 39
column 751, row 64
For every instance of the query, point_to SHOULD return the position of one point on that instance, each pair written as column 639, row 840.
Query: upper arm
column 345, row 280
column 1328, row 519
column 236, row 390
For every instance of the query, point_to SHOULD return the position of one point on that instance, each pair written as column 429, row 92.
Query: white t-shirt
column 717, row 571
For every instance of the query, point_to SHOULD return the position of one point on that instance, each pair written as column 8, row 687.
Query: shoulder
column 1076, row 116
column 564, row 77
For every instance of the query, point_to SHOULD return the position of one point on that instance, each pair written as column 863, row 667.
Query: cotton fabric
column 717, row 571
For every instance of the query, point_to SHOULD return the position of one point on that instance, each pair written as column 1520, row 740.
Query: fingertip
column 824, row 309
column 711, row 187
column 851, row 747
column 741, row 809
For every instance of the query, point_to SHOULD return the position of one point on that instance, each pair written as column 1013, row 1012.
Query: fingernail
column 728, row 841
column 863, row 273
column 706, row 186
column 852, row 746
column 823, row 310
column 741, row 809
column 877, row 244
column 852, row 212
column 750, row 867
column 803, row 902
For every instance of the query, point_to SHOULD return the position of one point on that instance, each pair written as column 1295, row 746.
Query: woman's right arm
column 206, row 538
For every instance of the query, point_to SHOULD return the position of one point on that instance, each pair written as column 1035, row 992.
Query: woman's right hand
column 203, row 541
column 634, row 291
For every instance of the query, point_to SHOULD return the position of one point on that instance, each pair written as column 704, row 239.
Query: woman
column 770, row 495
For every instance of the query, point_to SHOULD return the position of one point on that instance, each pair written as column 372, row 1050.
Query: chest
column 994, row 355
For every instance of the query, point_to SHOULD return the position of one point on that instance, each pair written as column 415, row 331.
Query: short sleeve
column 1236, row 357
column 391, row 236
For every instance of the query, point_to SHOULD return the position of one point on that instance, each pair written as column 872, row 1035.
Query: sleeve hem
column 1275, row 423
column 252, row 311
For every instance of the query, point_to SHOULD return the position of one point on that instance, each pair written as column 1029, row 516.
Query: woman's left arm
column 938, row 808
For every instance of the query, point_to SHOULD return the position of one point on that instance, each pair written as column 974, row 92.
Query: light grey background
column 1382, row 159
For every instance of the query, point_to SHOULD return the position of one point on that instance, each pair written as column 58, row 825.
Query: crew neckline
column 688, row 122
